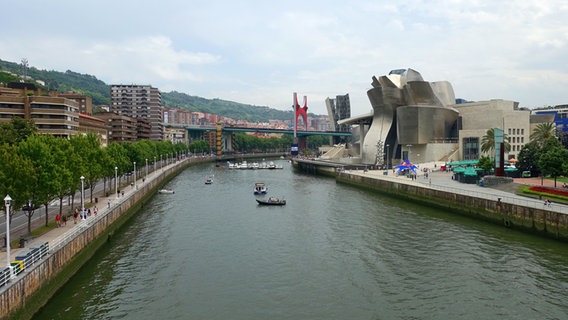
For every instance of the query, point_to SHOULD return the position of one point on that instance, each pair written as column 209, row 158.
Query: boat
column 271, row 201
column 260, row 188
column 166, row 191
column 272, row 165
column 209, row 180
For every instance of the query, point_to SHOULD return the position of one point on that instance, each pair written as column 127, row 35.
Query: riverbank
column 72, row 245
column 438, row 189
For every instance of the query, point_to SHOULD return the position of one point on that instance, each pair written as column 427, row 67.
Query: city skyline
column 259, row 53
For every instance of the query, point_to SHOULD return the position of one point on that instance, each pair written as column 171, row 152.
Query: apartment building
column 54, row 115
column 140, row 102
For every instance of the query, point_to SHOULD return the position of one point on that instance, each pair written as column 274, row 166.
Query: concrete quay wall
column 32, row 288
column 527, row 219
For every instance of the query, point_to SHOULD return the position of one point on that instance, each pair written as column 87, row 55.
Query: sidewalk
column 442, row 181
column 56, row 234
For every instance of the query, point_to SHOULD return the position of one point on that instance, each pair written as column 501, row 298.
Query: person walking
column 58, row 220
column 75, row 215
column 108, row 203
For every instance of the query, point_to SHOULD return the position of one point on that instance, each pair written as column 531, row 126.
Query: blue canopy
column 406, row 165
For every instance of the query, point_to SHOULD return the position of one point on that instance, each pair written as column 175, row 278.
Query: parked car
column 526, row 174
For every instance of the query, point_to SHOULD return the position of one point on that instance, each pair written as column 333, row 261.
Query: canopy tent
column 406, row 165
column 463, row 163
column 459, row 170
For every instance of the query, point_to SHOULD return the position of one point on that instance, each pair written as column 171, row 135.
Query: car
column 526, row 174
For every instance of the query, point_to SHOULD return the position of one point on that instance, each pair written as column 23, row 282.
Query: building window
column 471, row 148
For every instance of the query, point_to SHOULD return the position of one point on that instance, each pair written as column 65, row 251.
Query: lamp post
column 388, row 156
column 161, row 163
column 135, row 187
column 146, row 168
column 7, row 201
column 116, row 181
column 408, row 146
column 83, row 198
column 154, row 163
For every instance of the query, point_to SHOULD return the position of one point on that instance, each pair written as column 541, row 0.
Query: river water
column 333, row 252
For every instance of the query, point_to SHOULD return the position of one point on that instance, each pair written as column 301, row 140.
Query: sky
column 261, row 52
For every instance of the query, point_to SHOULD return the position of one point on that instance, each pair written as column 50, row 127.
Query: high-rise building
column 139, row 101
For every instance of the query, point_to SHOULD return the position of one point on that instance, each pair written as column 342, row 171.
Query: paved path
column 443, row 181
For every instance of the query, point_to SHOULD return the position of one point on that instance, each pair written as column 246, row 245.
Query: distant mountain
column 100, row 92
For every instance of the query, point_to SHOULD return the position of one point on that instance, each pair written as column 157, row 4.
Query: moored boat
column 166, row 191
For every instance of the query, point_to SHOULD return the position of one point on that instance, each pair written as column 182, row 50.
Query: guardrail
column 23, row 261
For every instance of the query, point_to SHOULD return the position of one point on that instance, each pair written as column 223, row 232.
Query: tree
column 89, row 149
column 543, row 132
column 118, row 158
column 488, row 142
column 16, row 175
column 486, row 163
column 528, row 158
column 37, row 148
column 551, row 162
column 63, row 177
column 16, row 131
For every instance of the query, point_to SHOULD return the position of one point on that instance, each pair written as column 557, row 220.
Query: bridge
column 300, row 133
column 224, row 134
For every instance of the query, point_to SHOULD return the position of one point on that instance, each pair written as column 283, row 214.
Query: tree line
column 35, row 169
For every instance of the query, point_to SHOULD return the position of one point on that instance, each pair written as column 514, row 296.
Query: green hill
column 91, row 86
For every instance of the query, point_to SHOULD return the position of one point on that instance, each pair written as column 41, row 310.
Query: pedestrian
column 548, row 202
column 75, row 215
column 95, row 210
column 89, row 212
column 64, row 220
column 108, row 203
column 122, row 192
column 58, row 220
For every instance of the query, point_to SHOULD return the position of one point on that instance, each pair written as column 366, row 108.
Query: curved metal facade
column 407, row 110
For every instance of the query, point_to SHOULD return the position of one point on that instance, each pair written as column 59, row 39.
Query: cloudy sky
column 260, row 52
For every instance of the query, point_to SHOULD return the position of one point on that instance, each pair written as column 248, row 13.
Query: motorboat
column 260, row 188
column 272, row 165
column 166, row 191
column 209, row 180
column 271, row 201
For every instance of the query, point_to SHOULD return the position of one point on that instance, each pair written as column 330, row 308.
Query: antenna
column 24, row 68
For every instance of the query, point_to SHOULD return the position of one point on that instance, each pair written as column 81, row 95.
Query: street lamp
column 116, row 181
column 154, row 163
column 135, row 187
column 83, row 198
column 146, row 168
column 388, row 156
column 161, row 164
column 7, row 201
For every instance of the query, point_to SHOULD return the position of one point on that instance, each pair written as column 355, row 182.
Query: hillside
column 89, row 85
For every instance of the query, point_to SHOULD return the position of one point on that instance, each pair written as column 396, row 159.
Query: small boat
column 166, row 191
column 260, row 188
column 272, row 165
column 272, row 201
column 209, row 180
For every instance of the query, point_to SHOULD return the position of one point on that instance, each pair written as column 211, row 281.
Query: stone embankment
column 438, row 189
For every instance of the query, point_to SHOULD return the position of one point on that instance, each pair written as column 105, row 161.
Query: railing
column 23, row 261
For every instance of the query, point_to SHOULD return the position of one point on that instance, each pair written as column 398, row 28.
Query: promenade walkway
column 443, row 181
column 59, row 235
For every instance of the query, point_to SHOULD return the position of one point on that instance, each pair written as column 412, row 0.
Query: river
column 332, row 252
